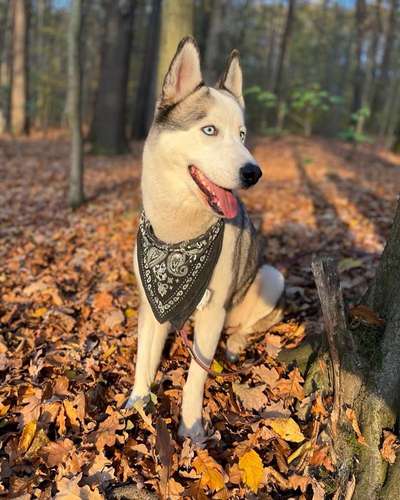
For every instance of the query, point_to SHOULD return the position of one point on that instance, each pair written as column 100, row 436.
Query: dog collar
column 175, row 276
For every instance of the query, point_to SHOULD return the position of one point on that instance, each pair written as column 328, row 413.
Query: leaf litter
column 68, row 319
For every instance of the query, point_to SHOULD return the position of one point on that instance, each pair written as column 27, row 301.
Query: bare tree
column 108, row 131
column 279, row 80
column 385, row 67
column 76, row 192
column 19, row 90
column 360, row 27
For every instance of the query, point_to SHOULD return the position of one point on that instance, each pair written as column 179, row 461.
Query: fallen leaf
column 102, row 301
column 286, row 428
column 390, row 446
column 253, row 471
column 28, row 433
column 252, row 398
column 349, row 263
column 40, row 312
column 56, row 452
column 212, row 474
column 291, row 387
column 351, row 415
column 366, row 315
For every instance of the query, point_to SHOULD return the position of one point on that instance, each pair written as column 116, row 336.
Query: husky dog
column 197, row 252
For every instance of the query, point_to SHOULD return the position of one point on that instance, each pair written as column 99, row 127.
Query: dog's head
column 200, row 132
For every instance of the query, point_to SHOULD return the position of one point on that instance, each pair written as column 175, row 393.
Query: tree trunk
column 145, row 97
column 19, row 90
column 212, row 43
column 176, row 22
column 108, row 131
column 4, row 77
column 360, row 19
column 76, row 194
column 366, row 360
column 385, row 68
column 279, row 81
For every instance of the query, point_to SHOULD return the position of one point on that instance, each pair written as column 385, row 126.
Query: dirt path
column 68, row 316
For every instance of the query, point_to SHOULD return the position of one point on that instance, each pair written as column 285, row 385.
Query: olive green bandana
column 175, row 276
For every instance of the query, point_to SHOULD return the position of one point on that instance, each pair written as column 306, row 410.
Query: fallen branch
column 334, row 316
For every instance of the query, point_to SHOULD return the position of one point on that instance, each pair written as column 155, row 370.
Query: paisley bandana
column 175, row 276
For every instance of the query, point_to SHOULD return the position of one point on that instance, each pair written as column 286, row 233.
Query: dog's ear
column 184, row 73
column 232, row 78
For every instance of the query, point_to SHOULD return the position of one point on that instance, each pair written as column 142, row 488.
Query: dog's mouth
column 221, row 200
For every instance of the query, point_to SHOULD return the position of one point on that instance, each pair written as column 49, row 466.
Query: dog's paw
column 137, row 399
column 195, row 432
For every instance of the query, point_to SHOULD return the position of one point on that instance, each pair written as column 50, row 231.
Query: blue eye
column 210, row 130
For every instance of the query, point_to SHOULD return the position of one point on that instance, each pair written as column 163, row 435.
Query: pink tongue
column 225, row 201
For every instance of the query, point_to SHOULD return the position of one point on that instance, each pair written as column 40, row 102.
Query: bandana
column 175, row 276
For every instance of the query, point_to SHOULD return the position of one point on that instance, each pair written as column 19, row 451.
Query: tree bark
column 369, row 359
column 108, row 131
column 360, row 20
column 145, row 97
column 212, row 43
column 176, row 22
column 279, row 81
column 76, row 192
column 385, row 67
column 4, row 77
column 19, row 90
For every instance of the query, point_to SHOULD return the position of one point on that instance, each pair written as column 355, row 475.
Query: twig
column 333, row 312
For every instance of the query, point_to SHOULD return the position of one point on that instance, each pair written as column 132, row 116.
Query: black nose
column 249, row 174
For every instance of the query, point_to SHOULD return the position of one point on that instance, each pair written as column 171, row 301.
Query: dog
column 197, row 253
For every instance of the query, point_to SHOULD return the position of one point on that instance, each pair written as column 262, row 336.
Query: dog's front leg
column 208, row 327
column 151, row 340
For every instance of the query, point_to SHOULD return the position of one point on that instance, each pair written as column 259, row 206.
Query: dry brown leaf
column 321, row 457
column 252, row 398
column 103, row 301
column 268, row 376
column 113, row 319
column 56, row 452
column 299, row 482
column 212, row 474
column 366, row 315
column 390, row 446
column 69, row 489
column 351, row 415
column 106, row 433
column 253, row 471
column 291, row 387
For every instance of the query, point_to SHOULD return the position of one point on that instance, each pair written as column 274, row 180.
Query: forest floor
column 68, row 321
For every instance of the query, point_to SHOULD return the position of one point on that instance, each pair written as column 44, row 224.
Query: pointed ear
column 184, row 74
column 232, row 79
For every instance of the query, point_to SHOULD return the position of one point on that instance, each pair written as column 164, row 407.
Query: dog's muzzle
column 249, row 174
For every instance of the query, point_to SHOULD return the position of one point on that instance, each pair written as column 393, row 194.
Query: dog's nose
column 249, row 174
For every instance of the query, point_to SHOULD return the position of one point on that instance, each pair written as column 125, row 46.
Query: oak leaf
column 252, row 398
column 56, row 452
column 212, row 474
